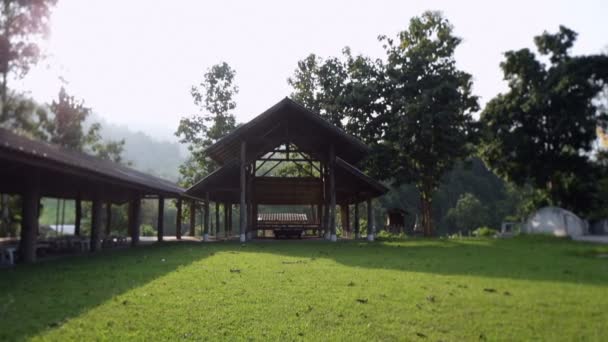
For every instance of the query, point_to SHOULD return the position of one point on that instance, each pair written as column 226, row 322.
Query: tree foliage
column 22, row 24
column 468, row 214
column 414, row 109
column 542, row 130
column 215, row 98
column 429, row 124
column 65, row 127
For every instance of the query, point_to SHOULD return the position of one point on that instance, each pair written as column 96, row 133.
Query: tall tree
column 414, row 109
column 319, row 85
column 22, row 24
column 542, row 130
column 428, row 124
column 66, row 127
column 215, row 98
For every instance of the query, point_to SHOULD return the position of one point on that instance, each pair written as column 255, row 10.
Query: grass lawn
column 450, row 290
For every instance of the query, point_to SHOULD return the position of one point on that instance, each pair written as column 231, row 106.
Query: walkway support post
column 217, row 220
column 96, row 210
column 345, row 216
column 108, row 218
column 134, row 211
column 192, row 218
column 225, row 220
column 206, row 218
column 78, row 217
column 160, row 224
column 178, row 219
column 357, row 233
column 243, row 205
column 370, row 221
column 332, row 192
column 29, row 221
column 230, row 219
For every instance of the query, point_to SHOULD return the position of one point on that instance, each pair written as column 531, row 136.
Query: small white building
column 555, row 221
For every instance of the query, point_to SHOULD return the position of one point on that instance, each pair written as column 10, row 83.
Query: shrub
column 384, row 235
column 147, row 230
column 484, row 232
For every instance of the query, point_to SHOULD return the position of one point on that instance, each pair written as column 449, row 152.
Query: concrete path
column 592, row 238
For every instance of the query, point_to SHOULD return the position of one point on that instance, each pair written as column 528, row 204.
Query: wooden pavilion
column 289, row 132
column 33, row 169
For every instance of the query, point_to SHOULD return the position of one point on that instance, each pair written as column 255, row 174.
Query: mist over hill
column 146, row 153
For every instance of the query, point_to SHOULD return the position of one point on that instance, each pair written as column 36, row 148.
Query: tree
column 215, row 98
column 22, row 24
column 428, row 124
column 319, row 85
column 414, row 109
column 65, row 127
column 543, row 129
column 468, row 214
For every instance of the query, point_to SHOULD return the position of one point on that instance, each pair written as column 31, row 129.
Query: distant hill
column 147, row 154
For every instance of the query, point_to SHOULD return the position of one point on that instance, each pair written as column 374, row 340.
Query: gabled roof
column 290, row 119
column 352, row 185
column 33, row 154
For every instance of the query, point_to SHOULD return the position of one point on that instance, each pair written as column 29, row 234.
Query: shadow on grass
column 38, row 297
column 522, row 258
column 42, row 296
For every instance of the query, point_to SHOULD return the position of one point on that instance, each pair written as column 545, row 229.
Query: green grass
column 449, row 290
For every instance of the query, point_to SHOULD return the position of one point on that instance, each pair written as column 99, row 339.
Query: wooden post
column 134, row 211
column 29, row 221
column 345, row 219
column 108, row 218
column 243, row 205
column 230, row 219
column 357, row 233
column 96, row 210
column 206, row 218
column 160, row 223
column 178, row 219
column 225, row 220
column 78, row 217
column 192, row 218
column 217, row 220
column 332, row 192
column 370, row 221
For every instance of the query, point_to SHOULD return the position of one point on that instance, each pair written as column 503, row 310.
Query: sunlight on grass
column 468, row 289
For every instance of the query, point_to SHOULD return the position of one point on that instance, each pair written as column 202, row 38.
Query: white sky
column 134, row 62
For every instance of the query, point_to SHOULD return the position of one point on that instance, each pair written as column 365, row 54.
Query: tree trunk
column 426, row 213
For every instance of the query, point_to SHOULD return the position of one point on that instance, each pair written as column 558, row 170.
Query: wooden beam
column 96, row 210
column 178, row 219
column 272, row 168
column 243, row 205
column 29, row 221
column 192, row 218
column 160, row 223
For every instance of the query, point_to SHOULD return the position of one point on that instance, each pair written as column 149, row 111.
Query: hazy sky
column 134, row 62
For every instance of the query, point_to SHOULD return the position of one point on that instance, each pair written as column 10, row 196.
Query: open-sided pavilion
column 34, row 169
column 289, row 132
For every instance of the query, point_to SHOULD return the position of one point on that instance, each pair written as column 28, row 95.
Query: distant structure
column 325, row 155
column 395, row 220
column 555, row 221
